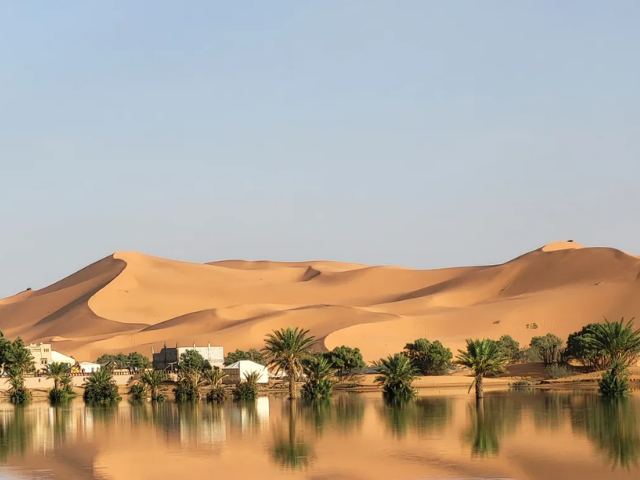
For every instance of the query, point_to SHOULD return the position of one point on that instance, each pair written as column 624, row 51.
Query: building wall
column 171, row 355
column 41, row 354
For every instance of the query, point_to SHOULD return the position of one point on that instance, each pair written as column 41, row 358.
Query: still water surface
column 541, row 435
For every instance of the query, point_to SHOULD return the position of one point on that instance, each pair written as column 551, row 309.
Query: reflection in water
column 332, row 437
column 612, row 425
column 290, row 450
column 490, row 420
column 422, row 415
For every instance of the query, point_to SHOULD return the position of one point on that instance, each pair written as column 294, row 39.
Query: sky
column 416, row 133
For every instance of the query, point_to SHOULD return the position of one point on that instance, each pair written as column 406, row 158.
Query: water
column 524, row 436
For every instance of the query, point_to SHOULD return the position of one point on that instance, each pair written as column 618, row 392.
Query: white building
column 88, row 367
column 171, row 355
column 57, row 357
column 236, row 372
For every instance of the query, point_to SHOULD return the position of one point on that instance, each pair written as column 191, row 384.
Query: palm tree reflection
column 290, row 450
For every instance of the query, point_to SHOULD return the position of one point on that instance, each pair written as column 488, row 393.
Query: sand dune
column 131, row 301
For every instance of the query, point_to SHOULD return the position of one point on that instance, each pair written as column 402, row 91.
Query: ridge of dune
column 130, row 301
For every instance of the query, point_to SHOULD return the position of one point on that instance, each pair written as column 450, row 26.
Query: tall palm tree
column 397, row 373
column 101, row 388
column 58, row 372
column 152, row 379
column 19, row 358
column 618, row 342
column 484, row 357
column 285, row 350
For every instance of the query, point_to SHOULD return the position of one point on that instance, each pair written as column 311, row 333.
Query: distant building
column 88, row 367
column 170, row 356
column 58, row 357
column 236, row 372
column 41, row 354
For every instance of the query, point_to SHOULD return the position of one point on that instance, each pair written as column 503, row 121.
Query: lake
column 520, row 435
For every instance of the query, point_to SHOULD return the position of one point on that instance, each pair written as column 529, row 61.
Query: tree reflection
column 290, row 450
column 16, row 431
column 612, row 425
column 490, row 420
column 422, row 415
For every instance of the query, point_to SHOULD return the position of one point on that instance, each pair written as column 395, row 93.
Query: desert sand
column 133, row 302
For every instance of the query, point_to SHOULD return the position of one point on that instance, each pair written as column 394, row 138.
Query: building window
column 43, row 361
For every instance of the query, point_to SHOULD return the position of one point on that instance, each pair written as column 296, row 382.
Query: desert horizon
column 130, row 301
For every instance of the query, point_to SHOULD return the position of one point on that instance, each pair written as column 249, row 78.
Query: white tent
column 58, row 357
column 88, row 367
column 236, row 371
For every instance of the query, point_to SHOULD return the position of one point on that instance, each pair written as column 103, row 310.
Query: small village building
column 88, row 367
column 170, row 356
column 41, row 354
column 236, row 372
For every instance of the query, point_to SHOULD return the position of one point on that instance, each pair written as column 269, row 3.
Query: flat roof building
column 170, row 356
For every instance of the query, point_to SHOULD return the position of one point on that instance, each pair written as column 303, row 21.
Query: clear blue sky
column 419, row 133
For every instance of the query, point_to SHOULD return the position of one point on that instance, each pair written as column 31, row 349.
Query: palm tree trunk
column 292, row 384
column 154, row 394
column 479, row 389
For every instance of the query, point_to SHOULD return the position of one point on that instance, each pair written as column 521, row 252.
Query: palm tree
column 484, row 357
column 397, row 373
column 58, row 372
column 317, row 370
column 285, row 350
column 19, row 358
column 18, row 393
column 618, row 342
column 153, row 379
column 101, row 388
column 214, row 377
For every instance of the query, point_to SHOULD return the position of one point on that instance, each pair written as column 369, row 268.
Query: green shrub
column 510, row 349
column 20, row 396
column 138, row 392
column 101, row 389
column 615, row 382
column 548, row 348
column 245, row 391
column 217, row 395
column 397, row 374
column 556, row 371
column 317, row 371
column 254, row 355
column 319, row 389
column 428, row 358
column 58, row 396
column 346, row 361
column 186, row 392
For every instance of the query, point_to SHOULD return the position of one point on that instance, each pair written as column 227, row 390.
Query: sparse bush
column 58, row 397
column 556, row 371
column 254, row 355
column 548, row 348
column 521, row 385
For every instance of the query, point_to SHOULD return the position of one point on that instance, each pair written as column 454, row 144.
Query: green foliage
column 58, row 372
column 548, row 348
column 429, row 358
column 317, row 370
column 617, row 342
column 189, row 383
column 135, row 361
column 58, row 397
column 556, row 371
column 18, row 357
column 18, row 393
column 254, row 355
column 285, row 350
column 193, row 360
column 510, row 349
column 397, row 374
column 345, row 360
column 581, row 348
column 152, row 380
column 615, row 382
column 138, row 392
column 521, row 385
column 217, row 395
column 484, row 357
column 101, row 389
column 247, row 390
